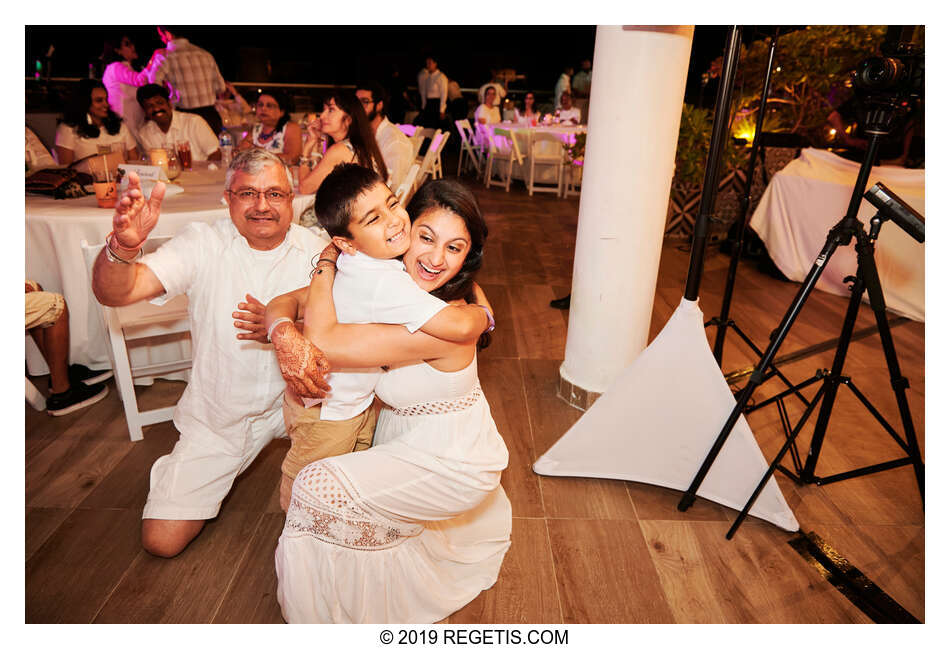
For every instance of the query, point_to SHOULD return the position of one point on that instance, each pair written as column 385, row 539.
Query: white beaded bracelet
column 274, row 324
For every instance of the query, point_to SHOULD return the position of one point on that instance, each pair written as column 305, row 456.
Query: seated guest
column 37, row 157
column 394, row 146
column 567, row 112
column 457, row 105
column 528, row 114
column 495, row 83
column 88, row 123
column 487, row 111
column 122, row 80
column 344, row 121
column 274, row 131
column 71, row 387
column 166, row 126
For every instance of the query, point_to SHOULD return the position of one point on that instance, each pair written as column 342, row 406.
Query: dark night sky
column 327, row 55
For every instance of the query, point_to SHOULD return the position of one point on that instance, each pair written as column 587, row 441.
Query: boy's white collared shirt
column 368, row 290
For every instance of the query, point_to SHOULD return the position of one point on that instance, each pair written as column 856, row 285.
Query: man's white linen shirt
column 234, row 395
column 433, row 86
column 192, row 72
column 184, row 126
column 368, row 290
column 396, row 149
column 567, row 114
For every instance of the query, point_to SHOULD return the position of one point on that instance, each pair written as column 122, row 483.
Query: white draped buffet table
column 810, row 195
column 54, row 229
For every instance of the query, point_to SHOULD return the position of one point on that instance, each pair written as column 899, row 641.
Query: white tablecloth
column 54, row 229
column 810, row 195
column 546, row 174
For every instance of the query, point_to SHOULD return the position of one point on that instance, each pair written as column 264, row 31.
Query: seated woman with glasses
column 274, row 131
column 344, row 121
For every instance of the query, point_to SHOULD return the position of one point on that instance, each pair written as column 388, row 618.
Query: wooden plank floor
column 583, row 550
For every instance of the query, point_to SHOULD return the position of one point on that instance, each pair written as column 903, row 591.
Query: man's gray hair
column 252, row 162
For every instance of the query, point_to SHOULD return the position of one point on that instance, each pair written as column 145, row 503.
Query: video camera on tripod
column 889, row 86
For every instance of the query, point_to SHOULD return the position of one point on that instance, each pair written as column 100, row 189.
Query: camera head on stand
column 889, row 86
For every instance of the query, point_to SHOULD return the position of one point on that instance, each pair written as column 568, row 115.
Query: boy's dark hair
column 334, row 200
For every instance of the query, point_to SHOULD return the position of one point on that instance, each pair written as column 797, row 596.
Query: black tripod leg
column 775, row 463
column 832, row 379
column 898, row 382
column 755, row 379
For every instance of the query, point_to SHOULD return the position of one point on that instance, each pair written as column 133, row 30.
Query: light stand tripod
column 723, row 322
column 878, row 123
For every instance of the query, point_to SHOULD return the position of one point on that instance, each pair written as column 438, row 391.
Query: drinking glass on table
column 183, row 147
column 174, row 165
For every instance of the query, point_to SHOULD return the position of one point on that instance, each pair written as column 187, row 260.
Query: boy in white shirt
column 371, row 229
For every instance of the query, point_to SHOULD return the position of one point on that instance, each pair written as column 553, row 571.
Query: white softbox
column 658, row 420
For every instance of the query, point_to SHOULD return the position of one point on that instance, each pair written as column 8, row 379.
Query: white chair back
column 428, row 162
column 437, row 162
column 468, row 151
column 546, row 150
column 140, row 321
column 502, row 145
column 405, row 191
column 416, row 140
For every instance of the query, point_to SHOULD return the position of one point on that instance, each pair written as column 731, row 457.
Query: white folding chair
column 405, row 191
column 502, row 145
column 546, row 150
column 137, row 322
column 437, row 162
column 573, row 175
column 416, row 139
column 34, row 397
column 468, row 151
column 428, row 162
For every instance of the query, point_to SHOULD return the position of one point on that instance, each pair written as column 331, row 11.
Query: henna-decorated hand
column 303, row 366
column 250, row 318
column 330, row 253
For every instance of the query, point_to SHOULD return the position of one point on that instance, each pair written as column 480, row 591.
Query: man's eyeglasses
column 366, row 101
column 252, row 196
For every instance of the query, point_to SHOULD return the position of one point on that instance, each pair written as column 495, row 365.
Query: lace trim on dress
column 441, row 407
column 326, row 506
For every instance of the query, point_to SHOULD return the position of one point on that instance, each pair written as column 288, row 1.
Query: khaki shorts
column 43, row 308
column 312, row 439
column 191, row 482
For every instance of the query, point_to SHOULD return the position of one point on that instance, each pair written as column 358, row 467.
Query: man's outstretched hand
column 135, row 217
column 302, row 364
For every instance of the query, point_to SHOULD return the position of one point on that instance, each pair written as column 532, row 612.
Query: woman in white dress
column 417, row 526
column 90, row 127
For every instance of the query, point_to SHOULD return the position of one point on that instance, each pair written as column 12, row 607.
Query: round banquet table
column 810, row 195
column 545, row 174
column 54, row 230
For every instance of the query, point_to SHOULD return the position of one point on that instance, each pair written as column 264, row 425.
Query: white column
column 638, row 83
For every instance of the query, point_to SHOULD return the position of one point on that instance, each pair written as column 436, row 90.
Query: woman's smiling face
column 439, row 244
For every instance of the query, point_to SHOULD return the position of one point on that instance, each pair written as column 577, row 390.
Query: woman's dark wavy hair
column 360, row 133
column 283, row 102
column 78, row 108
column 453, row 196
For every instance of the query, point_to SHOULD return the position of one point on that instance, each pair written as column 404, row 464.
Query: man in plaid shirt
column 193, row 74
